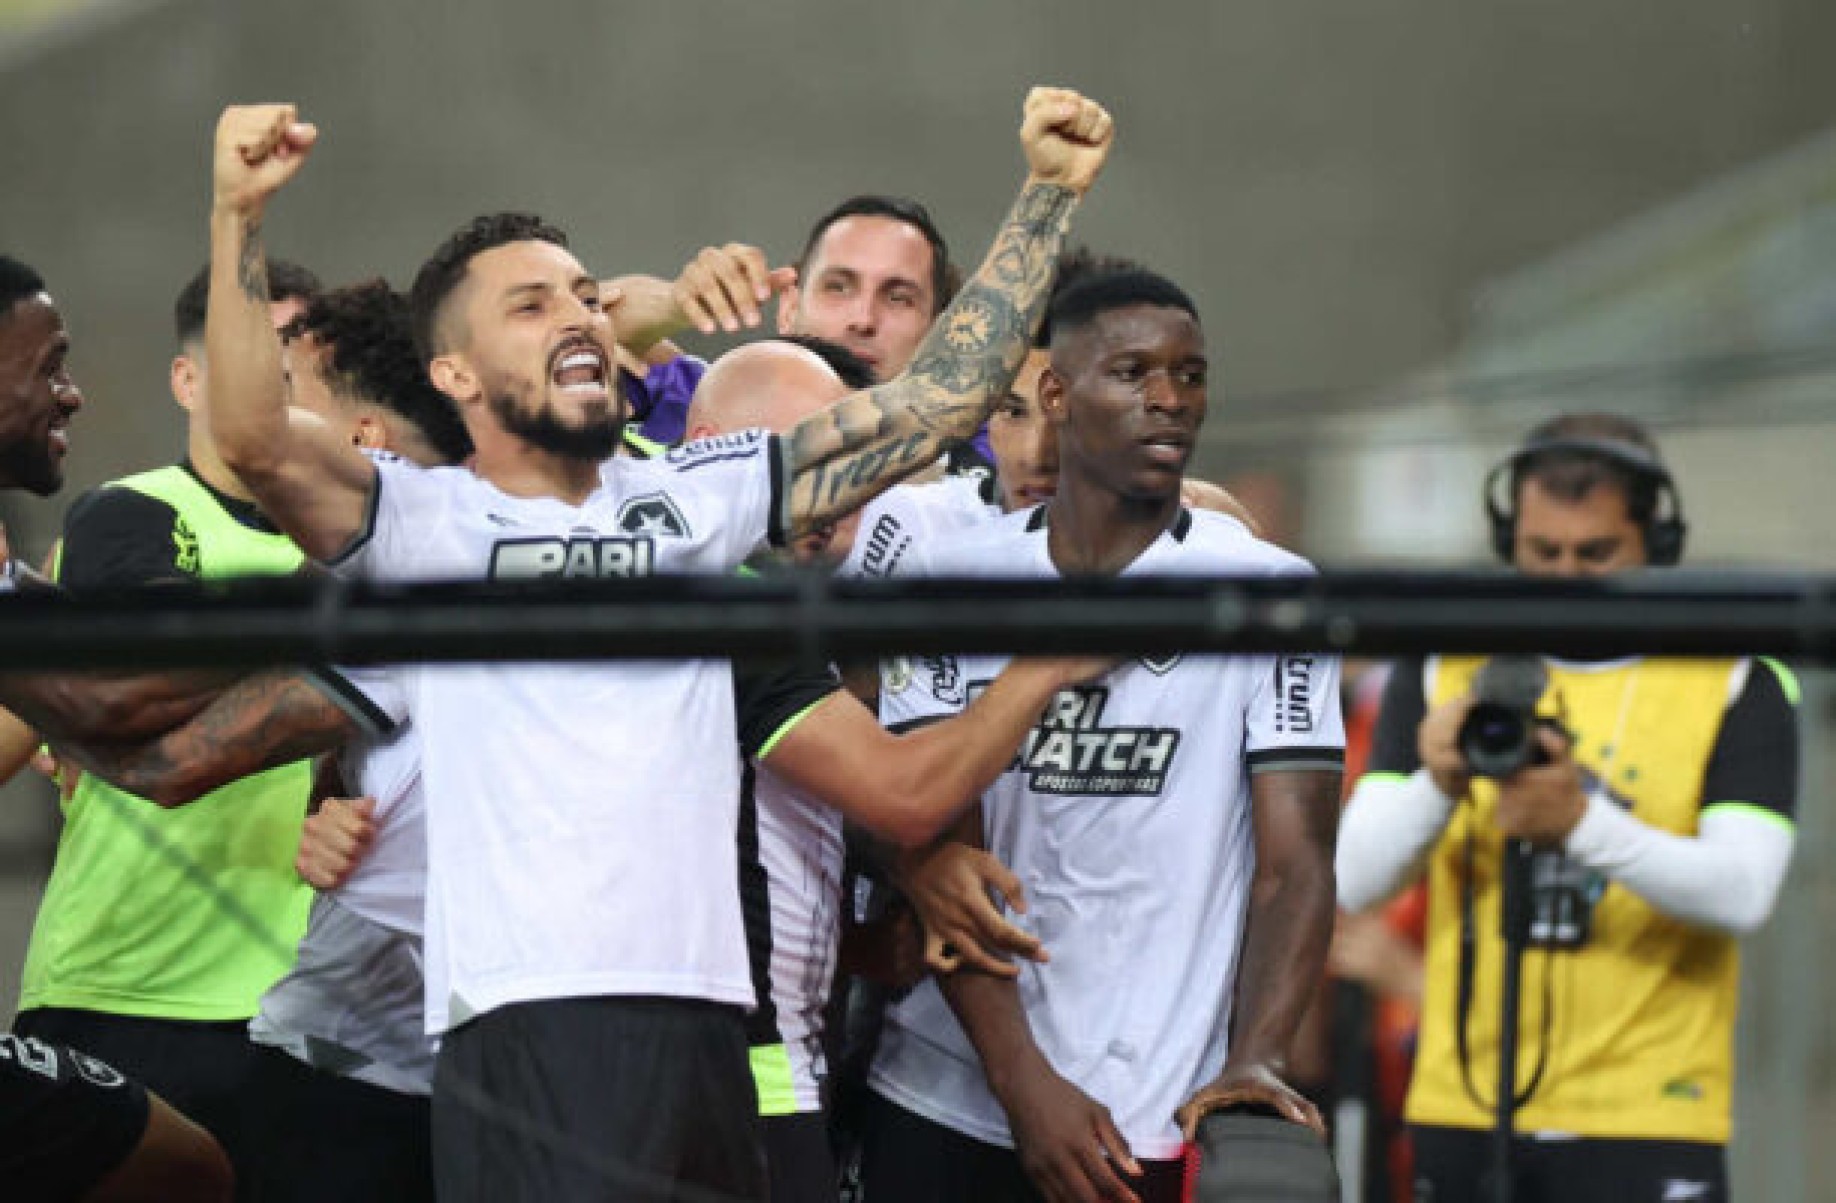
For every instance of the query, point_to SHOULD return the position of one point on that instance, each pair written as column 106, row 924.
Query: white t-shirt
column 573, row 851
column 1127, row 817
column 909, row 516
column 353, row 1003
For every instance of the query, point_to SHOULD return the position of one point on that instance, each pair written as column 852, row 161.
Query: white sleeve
column 375, row 696
column 915, row 690
column 1294, row 720
column 403, row 503
column 1726, row 877
column 1385, row 833
column 740, row 476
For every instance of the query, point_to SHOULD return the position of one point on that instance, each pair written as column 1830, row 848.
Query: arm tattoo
column 260, row 722
column 841, row 458
column 252, row 265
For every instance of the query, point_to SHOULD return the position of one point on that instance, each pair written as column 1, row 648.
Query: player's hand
column 1067, row 1142
column 1437, row 742
column 335, row 840
column 1543, row 803
column 952, row 887
column 724, row 287
column 1066, row 138
column 259, row 148
column 1248, row 1085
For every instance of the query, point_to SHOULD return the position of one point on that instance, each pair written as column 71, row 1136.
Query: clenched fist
column 1066, row 137
column 259, row 148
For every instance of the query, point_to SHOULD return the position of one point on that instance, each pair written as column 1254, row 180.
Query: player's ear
column 1052, row 396
column 370, row 434
column 787, row 310
column 453, row 375
column 184, row 381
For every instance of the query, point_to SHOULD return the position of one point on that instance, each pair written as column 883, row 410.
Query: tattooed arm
column 315, row 485
column 261, row 721
column 837, row 460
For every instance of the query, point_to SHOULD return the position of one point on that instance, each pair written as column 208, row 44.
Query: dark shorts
column 797, row 1158
column 204, row 1070
column 66, row 1119
column 630, row 1099
column 1452, row 1164
column 906, row 1158
column 323, row 1136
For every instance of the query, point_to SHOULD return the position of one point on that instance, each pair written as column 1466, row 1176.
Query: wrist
column 1036, row 181
column 1011, row 1071
column 230, row 215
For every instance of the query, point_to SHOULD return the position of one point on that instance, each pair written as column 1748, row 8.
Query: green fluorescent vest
column 189, row 913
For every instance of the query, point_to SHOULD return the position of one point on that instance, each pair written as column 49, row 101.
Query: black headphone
column 1664, row 530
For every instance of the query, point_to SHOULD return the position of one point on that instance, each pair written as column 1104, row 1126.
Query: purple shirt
column 660, row 401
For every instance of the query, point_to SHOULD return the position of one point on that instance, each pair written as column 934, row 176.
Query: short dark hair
column 945, row 279
column 371, row 357
column 851, row 368
column 1571, row 473
column 445, row 269
column 1074, row 266
column 17, row 283
column 1101, row 290
column 287, row 281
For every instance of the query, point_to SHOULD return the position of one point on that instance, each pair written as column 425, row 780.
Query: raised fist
column 259, row 147
column 1066, row 137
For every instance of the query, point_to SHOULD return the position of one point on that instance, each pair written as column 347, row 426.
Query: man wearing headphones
column 1661, row 818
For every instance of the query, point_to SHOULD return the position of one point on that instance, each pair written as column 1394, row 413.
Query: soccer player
column 585, row 951
column 159, row 930
column 1172, row 825
column 71, row 1126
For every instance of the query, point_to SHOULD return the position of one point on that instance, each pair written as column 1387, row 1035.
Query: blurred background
column 1415, row 228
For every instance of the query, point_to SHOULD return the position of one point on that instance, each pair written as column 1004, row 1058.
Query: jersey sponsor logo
column 653, row 514
column 1294, row 677
column 886, row 545
column 1072, row 752
column 715, row 448
column 604, row 557
column 897, row 676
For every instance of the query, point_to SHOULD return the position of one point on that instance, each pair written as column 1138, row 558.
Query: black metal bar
column 1360, row 613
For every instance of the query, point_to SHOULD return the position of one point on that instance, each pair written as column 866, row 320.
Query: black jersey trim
column 1182, row 525
column 777, row 522
column 368, row 530
column 1291, row 760
column 755, row 913
column 913, row 724
column 370, row 718
column 1036, row 521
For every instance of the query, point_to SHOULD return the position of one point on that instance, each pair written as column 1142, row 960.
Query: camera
column 1498, row 736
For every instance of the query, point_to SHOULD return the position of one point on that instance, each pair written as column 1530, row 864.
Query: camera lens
column 1495, row 741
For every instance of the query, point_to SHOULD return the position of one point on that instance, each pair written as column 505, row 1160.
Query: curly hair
column 445, row 269
column 370, row 356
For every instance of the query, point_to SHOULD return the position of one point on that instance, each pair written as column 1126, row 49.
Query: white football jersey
column 580, row 817
column 353, row 1003
column 909, row 516
column 1126, row 815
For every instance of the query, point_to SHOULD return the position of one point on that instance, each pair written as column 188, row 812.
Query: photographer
column 1658, row 796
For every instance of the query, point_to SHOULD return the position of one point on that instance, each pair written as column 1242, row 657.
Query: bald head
column 768, row 384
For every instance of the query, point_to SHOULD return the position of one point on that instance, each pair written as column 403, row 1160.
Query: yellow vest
column 189, row 913
column 1640, row 1027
